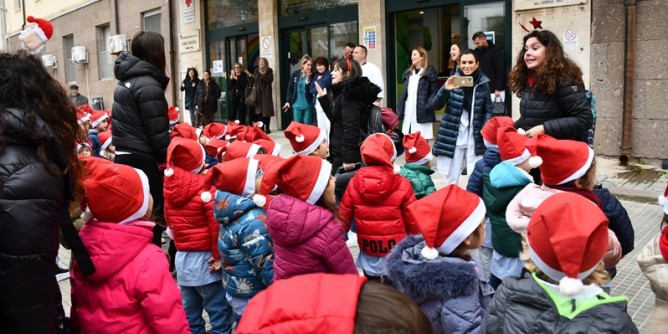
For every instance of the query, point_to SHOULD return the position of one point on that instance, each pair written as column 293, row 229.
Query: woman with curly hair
column 40, row 177
column 551, row 90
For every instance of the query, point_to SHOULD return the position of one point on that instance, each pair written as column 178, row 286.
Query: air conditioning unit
column 79, row 55
column 118, row 43
column 49, row 61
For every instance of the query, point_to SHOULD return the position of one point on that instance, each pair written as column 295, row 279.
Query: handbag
column 251, row 98
column 499, row 107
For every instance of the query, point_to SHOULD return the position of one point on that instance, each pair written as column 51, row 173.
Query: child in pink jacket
column 132, row 290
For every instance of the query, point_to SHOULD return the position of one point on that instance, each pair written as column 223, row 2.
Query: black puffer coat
column 140, row 122
column 427, row 88
column 32, row 201
column 566, row 114
column 349, row 113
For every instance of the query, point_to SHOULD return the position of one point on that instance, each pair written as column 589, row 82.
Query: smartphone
column 463, row 81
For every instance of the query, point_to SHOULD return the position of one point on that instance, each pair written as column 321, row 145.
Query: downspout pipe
column 626, row 150
column 172, row 51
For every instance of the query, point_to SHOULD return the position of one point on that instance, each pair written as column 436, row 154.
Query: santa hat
column 116, row 193
column 268, row 163
column 81, row 145
column 233, row 129
column 663, row 199
column 417, row 149
column 269, row 146
column 184, row 130
column 45, row 30
column 563, row 160
column 567, row 237
column 215, row 130
column 215, row 148
column 34, row 38
column 446, row 218
column 236, row 177
column 185, row 154
column 304, row 138
column 240, row 149
column 82, row 116
column 490, row 129
column 105, row 139
column 98, row 117
column 253, row 133
column 173, row 114
column 302, row 177
column 514, row 147
column 378, row 150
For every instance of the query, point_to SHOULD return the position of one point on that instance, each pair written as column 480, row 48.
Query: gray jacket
column 449, row 290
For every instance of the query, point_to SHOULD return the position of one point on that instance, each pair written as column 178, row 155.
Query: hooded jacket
column 246, row 249
column 190, row 219
column 420, row 179
column 378, row 200
column 490, row 159
column 132, row 290
column 427, row 88
column 654, row 266
column 307, row 239
column 140, row 122
column 620, row 223
column 449, row 290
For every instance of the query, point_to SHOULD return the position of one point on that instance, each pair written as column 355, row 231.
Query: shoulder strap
column 79, row 251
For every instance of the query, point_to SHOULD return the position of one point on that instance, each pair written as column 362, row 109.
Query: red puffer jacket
column 190, row 219
column 377, row 199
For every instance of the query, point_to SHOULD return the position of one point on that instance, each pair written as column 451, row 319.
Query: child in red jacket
column 377, row 197
column 195, row 233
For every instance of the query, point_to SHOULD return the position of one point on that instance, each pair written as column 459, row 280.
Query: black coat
column 491, row 65
column 32, row 202
column 211, row 104
column 427, row 88
column 140, row 123
column 190, row 87
column 566, row 114
column 237, row 87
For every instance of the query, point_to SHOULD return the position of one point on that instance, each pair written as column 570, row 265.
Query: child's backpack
column 592, row 106
column 385, row 120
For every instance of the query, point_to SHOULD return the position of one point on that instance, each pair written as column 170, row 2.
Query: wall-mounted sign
column 188, row 11
column 536, row 4
column 189, row 41
column 370, row 37
column 266, row 47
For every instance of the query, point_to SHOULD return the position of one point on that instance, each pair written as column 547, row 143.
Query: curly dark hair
column 26, row 85
column 556, row 66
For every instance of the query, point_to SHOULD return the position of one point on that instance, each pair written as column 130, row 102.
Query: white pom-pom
column 535, row 161
column 259, row 200
column 300, row 138
column 412, row 150
column 87, row 215
column 177, row 109
column 521, row 131
column 259, row 124
column 429, row 253
column 169, row 172
column 206, row 197
column 662, row 200
column 570, row 286
column 228, row 137
column 237, row 121
column 396, row 169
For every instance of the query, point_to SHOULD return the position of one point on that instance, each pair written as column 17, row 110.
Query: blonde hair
column 425, row 58
column 305, row 58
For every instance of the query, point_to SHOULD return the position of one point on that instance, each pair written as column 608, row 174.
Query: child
column 326, row 303
column 195, row 234
column 653, row 259
column 173, row 115
column 307, row 140
column 377, row 198
column 252, row 133
column 307, row 237
column 245, row 246
column 84, row 150
column 436, row 270
column 107, row 149
column 567, row 238
column 269, row 146
column 132, row 290
column 184, row 130
column 214, row 150
column 500, row 185
column 98, row 123
column 241, row 149
column 83, row 118
column 416, row 169
column 215, row 130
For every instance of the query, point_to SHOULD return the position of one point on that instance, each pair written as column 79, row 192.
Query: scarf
column 586, row 193
column 468, row 91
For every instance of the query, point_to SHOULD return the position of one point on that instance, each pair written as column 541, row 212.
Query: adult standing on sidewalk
column 140, row 128
column 189, row 85
column 491, row 63
column 208, row 93
column 264, row 78
column 420, row 87
column 370, row 70
column 76, row 98
column 237, row 93
column 299, row 97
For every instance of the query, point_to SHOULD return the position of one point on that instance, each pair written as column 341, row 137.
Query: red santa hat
column 417, row 149
column 302, row 177
column 185, row 154
column 81, row 145
column 304, row 138
column 490, row 129
column 173, row 114
column 184, row 130
column 82, row 116
column 269, row 146
column 446, row 218
column 563, row 160
column 236, row 177
column 567, row 237
column 233, row 128
column 240, row 149
column 98, row 117
column 45, row 30
column 35, row 37
column 105, row 139
column 663, row 200
column 515, row 148
column 378, row 150
column 215, row 148
column 215, row 130
column 252, row 133
column 116, row 193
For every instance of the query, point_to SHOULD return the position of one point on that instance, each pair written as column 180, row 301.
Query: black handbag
column 252, row 97
column 499, row 107
column 342, row 178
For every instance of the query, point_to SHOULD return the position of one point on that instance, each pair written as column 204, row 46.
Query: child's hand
column 214, row 265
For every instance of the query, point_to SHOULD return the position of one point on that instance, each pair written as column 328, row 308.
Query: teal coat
column 420, row 179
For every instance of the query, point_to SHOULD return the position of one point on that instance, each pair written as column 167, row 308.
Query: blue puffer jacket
column 620, row 223
column 446, row 138
column 490, row 159
column 246, row 250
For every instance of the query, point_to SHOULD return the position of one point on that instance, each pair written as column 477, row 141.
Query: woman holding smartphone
column 469, row 107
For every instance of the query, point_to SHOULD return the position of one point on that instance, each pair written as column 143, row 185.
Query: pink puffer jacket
column 307, row 239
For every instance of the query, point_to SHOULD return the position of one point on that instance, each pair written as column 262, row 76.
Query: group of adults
column 201, row 96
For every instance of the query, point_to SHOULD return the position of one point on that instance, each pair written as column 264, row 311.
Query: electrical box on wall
column 79, row 55
column 118, row 43
column 49, row 61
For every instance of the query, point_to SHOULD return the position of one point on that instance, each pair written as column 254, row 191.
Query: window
column 152, row 21
column 106, row 65
column 225, row 13
column 17, row 5
column 70, row 70
column 293, row 7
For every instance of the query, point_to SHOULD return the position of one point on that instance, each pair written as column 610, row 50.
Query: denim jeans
column 211, row 298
